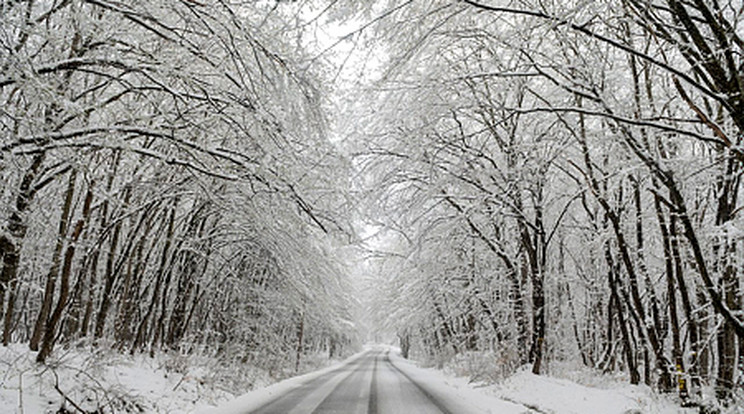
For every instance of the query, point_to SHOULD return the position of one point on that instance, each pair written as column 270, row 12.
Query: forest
column 527, row 183
column 166, row 183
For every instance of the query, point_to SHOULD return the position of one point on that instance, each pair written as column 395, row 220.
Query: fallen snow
column 91, row 378
column 167, row 384
column 544, row 394
column 561, row 396
column 456, row 393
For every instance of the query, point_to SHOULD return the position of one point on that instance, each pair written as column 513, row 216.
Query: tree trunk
column 136, row 262
column 727, row 348
column 669, row 270
column 692, row 321
column 188, row 274
column 87, row 290
column 635, row 377
column 10, row 247
column 51, row 280
column 127, row 301
column 110, row 276
column 673, row 271
column 140, row 336
column 50, row 332
column 658, row 326
column 537, row 256
column 725, row 252
column 300, row 344
column 405, row 343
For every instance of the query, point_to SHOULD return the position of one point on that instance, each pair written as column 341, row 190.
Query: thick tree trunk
column 13, row 257
column 538, row 302
column 725, row 252
column 538, row 322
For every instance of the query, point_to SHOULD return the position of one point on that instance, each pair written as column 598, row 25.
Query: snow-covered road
column 369, row 384
column 379, row 380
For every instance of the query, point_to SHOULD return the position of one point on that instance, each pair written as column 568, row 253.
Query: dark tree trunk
column 405, row 344
column 50, row 332
column 87, row 288
column 10, row 247
column 635, row 377
column 110, row 275
column 725, row 252
column 669, row 267
column 140, row 337
column 188, row 275
column 51, row 280
column 300, row 344
column 698, row 359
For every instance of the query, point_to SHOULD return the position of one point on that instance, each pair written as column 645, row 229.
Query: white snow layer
column 88, row 379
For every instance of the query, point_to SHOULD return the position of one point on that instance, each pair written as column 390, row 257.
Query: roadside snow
column 522, row 393
column 168, row 384
column 456, row 393
column 561, row 396
column 90, row 378
column 531, row 393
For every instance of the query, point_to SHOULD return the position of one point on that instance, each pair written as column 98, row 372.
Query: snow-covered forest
column 494, row 183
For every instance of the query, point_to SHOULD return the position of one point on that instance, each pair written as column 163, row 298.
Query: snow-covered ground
column 520, row 393
column 544, row 394
column 561, row 396
column 166, row 384
column 88, row 380
column 121, row 383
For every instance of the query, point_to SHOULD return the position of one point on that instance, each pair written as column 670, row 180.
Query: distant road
column 370, row 384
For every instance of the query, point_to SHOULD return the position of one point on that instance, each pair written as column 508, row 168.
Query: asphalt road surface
column 369, row 385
